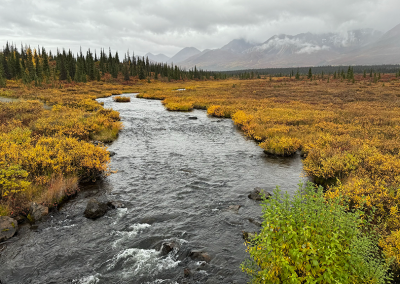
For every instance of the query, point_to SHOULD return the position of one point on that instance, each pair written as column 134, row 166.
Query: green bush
column 308, row 239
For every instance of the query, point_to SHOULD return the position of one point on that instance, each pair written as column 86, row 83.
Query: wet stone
column 255, row 222
column 200, row 256
column 256, row 194
column 167, row 247
column 8, row 228
column 37, row 211
column 187, row 273
column 234, row 208
column 95, row 209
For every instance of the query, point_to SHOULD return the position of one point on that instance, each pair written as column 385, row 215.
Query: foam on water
column 128, row 235
column 87, row 280
column 141, row 262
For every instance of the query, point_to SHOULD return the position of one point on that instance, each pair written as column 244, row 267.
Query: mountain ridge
column 362, row 46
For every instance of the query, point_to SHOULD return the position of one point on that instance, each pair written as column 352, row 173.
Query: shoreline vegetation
column 344, row 125
column 346, row 130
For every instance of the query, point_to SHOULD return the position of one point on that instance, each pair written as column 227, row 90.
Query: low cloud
column 166, row 26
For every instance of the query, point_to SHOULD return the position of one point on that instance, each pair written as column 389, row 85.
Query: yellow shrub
column 282, row 146
column 240, row 118
column 218, row 111
column 391, row 247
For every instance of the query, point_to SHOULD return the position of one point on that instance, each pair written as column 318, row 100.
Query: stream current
column 177, row 178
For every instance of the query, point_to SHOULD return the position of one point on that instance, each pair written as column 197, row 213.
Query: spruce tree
column 2, row 77
column 141, row 73
column 309, row 76
column 39, row 69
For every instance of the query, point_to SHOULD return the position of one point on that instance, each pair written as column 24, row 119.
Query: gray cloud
column 166, row 26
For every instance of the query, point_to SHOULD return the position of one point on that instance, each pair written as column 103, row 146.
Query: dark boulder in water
column 187, row 273
column 200, row 255
column 95, row 209
column 167, row 247
column 256, row 194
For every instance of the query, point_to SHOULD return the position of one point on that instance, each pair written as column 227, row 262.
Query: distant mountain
column 157, row 58
column 237, row 46
column 183, row 55
column 385, row 50
column 216, row 59
column 282, row 50
column 357, row 47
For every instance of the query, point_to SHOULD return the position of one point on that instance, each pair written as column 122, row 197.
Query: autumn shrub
column 23, row 111
column 177, row 105
column 44, row 141
column 219, row 111
column 120, row 99
column 65, row 155
column 309, row 239
column 391, row 247
column 282, row 146
column 241, row 119
column 102, row 125
column 13, row 179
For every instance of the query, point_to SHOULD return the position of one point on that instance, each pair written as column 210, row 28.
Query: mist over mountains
column 357, row 47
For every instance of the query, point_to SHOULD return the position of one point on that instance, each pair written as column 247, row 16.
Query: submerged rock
column 95, row 209
column 167, row 247
column 111, row 153
column 37, row 211
column 234, row 208
column 192, row 117
column 256, row 194
column 8, row 228
column 255, row 222
column 199, row 255
column 187, row 273
column 115, row 204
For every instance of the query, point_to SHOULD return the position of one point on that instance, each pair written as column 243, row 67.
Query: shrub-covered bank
column 347, row 130
column 46, row 141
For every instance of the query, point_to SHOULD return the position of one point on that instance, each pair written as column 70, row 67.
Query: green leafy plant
column 309, row 239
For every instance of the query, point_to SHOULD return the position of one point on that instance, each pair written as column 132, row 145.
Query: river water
column 177, row 178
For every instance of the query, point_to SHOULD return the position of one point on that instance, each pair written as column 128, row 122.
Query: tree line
column 39, row 66
column 346, row 72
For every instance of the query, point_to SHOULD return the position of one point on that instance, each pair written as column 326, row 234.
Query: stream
column 177, row 178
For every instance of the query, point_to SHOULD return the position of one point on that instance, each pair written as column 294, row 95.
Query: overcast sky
column 166, row 26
